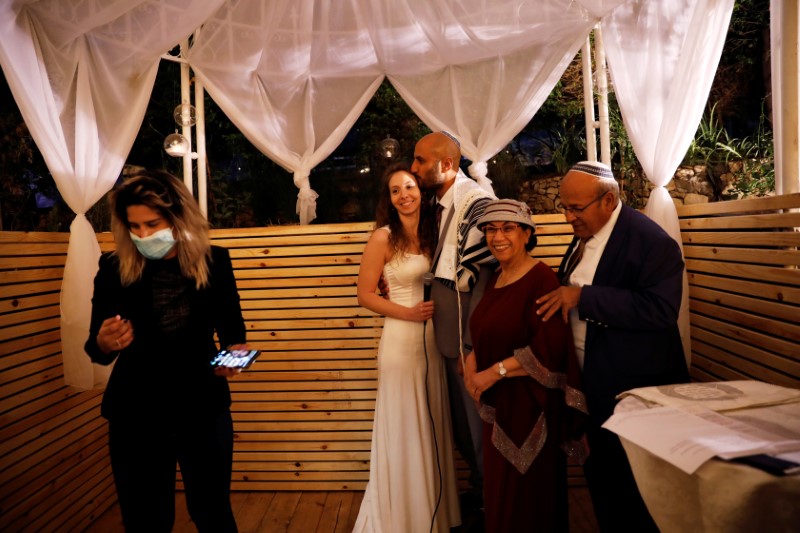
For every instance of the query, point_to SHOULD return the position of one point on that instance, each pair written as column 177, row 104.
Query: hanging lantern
column 389, row 147
column 176, row 145
column 185, row 115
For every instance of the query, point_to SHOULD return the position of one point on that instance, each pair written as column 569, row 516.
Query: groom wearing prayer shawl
column 461, row 260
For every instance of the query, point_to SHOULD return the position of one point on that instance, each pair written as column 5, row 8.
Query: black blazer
column 166, row 374
column 631, row 309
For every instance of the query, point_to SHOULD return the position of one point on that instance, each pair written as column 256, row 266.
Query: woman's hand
column 228, row 371
column 421, row 312
column 471, row 377
column 478, row 382
column 115, row 335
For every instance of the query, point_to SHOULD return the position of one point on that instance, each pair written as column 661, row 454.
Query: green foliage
column 570, row 147
column 749, row 159
column 227, row 209
column 756, row 176
column 23, row 174
column 742, row 75
column 711, row 144
column 507, row 173
column 633, row 183
column 562, row 116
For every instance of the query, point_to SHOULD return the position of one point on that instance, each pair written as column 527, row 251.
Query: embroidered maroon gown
column 531, row 422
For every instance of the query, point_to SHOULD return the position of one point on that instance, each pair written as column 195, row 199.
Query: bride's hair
column 386, row 215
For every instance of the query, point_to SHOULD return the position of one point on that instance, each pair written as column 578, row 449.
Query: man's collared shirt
column 584, row 274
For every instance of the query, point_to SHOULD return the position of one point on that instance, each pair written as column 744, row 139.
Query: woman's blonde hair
column 168, row 196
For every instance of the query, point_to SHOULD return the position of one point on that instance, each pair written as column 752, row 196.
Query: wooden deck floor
column 314, row 512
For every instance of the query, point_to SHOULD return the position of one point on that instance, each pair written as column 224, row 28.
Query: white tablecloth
column 720, row 496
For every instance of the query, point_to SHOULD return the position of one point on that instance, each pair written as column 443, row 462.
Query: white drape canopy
column 294, row 75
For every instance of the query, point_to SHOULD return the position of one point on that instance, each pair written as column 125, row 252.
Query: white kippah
column 594, row 168
column 451, row 137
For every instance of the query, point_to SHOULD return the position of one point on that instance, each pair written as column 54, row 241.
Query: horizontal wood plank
column 768, row 239
column 786, row 357
column 741, row 207
column 744, row 255
column 771, row 221
column 16, row 304
column 780, row 276
column 779, row 313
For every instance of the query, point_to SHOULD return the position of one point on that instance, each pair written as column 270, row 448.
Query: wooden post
column 602, row 96
column 588, row 100
column 784, row 44
column 187, row 128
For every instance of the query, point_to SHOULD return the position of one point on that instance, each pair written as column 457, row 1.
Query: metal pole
column 588, row 100
column 187, row 129
column 199, row 104
column 602, row 94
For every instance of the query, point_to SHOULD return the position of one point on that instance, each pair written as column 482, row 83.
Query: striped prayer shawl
column 465, row 250
column 472, row 247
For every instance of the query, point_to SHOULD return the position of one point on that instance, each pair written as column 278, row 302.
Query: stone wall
column 690, row 185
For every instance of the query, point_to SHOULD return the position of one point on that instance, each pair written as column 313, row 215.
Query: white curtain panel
column 81, row 74
column 662, row 57
column 293, row 75
column 482, row 73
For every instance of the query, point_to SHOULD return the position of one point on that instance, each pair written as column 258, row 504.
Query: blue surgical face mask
column 155, row 246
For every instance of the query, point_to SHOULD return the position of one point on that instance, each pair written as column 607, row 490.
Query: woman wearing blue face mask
column 158, row 301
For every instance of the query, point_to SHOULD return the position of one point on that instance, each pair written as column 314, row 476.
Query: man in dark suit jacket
column 622, row 279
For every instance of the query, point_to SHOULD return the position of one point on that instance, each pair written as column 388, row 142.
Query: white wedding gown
column 403, row 477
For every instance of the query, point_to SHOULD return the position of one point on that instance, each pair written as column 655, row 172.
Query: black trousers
column 617, row 503
column 144, row 453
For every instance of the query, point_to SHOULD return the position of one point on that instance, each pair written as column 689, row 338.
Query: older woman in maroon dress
column 526, row 377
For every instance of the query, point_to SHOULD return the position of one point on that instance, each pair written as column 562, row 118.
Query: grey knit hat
column 507, row 210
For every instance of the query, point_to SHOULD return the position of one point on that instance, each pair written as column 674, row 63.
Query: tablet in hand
column 235, row 358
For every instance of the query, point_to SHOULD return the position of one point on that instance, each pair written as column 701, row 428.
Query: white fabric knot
column 306, row 198
column 479, row 171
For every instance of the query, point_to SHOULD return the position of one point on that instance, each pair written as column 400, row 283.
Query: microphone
column 427, row 279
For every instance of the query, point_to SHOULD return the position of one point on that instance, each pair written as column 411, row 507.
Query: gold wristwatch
column 501, row 369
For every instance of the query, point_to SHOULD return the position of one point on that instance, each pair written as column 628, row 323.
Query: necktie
column 439, row 210
column 573, row 261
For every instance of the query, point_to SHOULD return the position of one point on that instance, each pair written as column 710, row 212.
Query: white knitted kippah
column 451, row 137
column 593, row 168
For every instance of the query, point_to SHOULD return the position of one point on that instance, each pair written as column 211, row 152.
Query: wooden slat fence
column 303, row 412
column 54, row 469
column 742, row 260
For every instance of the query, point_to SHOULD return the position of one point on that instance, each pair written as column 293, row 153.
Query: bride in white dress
column 411, row 471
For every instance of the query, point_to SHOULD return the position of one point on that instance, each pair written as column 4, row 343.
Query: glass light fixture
column 185, row 115
column 176, row 145
column 389, row 147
